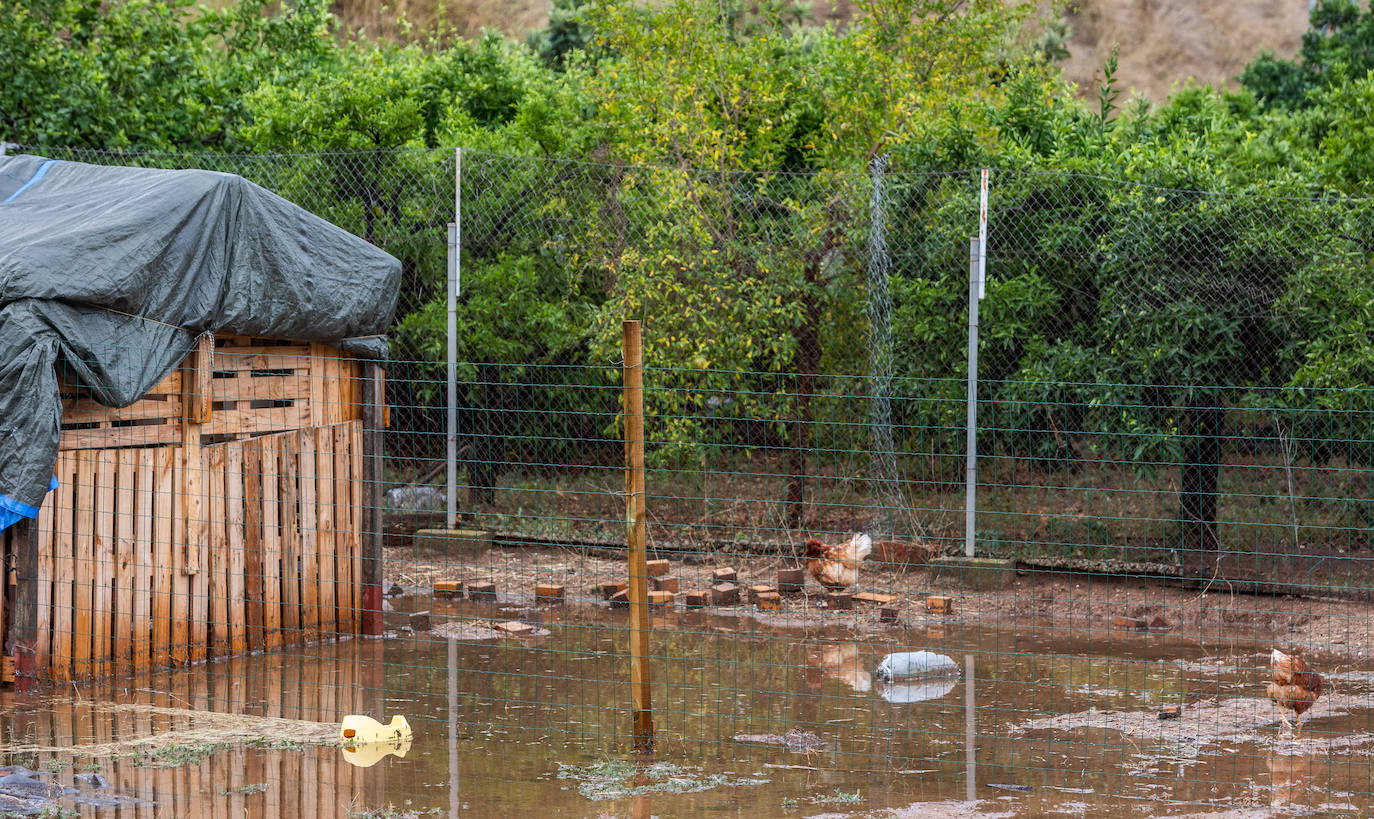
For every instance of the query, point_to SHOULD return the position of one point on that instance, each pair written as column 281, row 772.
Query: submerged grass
column 617, row 778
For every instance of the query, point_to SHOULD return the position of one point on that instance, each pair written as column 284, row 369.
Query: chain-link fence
column 1174, row 434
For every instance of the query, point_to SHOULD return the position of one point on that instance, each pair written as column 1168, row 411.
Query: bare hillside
column 1164, row 43
column 1161, row 43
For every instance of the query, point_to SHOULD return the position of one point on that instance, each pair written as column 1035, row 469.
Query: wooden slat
column 181, row 583
column 87, row 411
column 291, row 536
column 356, row 518
column 262, row 358
column 252, row 541
column 126, row 502
column 257, row 421
column 309, row 529
column 43, row 583
column 343, row 537
column 115, row 437
column 219, row 551
column 171, row 385
column 319, row 385
column 262, row 388
column 200, row 591
column 83, row 564
column 234, row 504
column 324, row 536
column 193, row 499
column 163, row 525
column 144, row 551
column 102, row 598
column 271, row 539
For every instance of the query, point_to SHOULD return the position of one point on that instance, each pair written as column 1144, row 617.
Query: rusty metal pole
column 634, row 526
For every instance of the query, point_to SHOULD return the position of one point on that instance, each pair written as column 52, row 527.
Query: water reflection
column 498, row 724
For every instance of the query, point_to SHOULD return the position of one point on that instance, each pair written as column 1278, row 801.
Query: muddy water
column 539, row 724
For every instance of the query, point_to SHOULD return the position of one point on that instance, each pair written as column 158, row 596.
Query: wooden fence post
column 634, row 519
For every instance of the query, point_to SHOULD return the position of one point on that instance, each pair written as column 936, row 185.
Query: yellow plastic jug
column 366, row 741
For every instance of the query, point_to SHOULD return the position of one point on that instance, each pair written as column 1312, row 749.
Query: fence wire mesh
column 1175, row 435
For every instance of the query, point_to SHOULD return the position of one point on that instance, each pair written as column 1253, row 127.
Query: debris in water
column 918, row 691
column 360, row 730
column 1017, row 788
column 92, row 780
column 916, row 664
column 369, row 740
column 797, row 739
column 617, row 778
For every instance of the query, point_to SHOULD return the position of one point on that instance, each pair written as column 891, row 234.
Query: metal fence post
column 634, row 507
column 455, row 237
column 977, row 274
column 975, row 252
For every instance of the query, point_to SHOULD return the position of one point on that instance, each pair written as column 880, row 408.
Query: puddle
column 540, row 723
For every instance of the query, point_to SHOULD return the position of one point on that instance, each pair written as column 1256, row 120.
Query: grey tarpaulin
column 113, row 272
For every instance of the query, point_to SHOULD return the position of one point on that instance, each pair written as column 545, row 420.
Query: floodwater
column 511, row 727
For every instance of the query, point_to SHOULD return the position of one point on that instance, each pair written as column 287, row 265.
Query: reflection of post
column 970, row 735
column 453, row 727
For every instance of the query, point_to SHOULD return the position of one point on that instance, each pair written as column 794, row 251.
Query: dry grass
column 398, row 19
column 192, row 729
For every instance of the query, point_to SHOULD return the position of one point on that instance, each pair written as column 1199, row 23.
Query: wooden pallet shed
column 228, row 510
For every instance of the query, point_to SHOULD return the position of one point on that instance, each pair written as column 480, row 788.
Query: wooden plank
column 271, row 539
column 252, row 541
column 88, row 411
column 284, row 357
column 181, row 583
column 200, row 581
column 64, row 570
column 83, row 561
column 42, row 590
column 163, row 524
column 171, row 385
column 310, row 589
column 219, row 552
column 324, row 537
column 116, row 437
column 262, row 388
column 193, row 498
column 235, row 520
column 198, row 369
column 319, row 385
column 144, row 551
column 343, row 529
column 126, row 504
column 355, row 533
column 291, row 537
column 102, row 608
column 256, row 421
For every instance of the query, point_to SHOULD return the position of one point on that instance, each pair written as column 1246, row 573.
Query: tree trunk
column 1198, row 488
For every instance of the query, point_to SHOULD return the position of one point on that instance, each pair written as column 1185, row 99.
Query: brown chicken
column 836, row 566
column 1295, row 686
